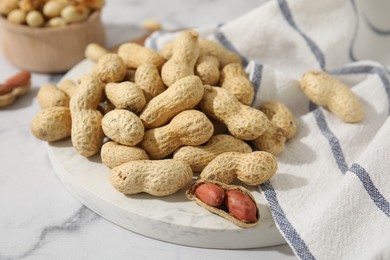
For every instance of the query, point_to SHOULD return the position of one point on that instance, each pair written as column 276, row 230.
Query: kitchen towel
column 331, row 195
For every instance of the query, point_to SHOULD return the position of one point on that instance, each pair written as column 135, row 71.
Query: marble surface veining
column 39, row 218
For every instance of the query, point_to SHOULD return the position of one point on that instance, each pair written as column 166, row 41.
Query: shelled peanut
column 48, row 13
column 17, row 85
column 232, row 202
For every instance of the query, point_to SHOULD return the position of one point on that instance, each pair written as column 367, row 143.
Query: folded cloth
column 331, row 195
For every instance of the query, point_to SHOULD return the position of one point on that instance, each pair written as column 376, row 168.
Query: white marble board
column 172, row 218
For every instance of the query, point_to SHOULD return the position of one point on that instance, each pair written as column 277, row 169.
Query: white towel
column 330, row 197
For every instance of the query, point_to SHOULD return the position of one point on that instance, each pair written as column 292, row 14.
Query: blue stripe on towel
column 255, row 78
column 228, row 45
column 286, row 227
column 338, row 155
column 372, row 191
column 332, row 139
column 312, row 45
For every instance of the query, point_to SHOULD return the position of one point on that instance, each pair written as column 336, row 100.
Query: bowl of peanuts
column 49, row 36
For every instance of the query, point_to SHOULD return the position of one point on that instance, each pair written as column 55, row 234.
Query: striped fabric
column 331, row 196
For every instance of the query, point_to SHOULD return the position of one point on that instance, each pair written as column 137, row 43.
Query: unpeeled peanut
column 251, row 168
column 52, row 124
column 126, row 95
column 207, row 68
column 68, row 86
column 235, row 80
column 184, row 56
column 87, row 134
column 183, row 94
column 94, row 51
column 49, row 95
column 272, row 141
column 123, row 127
column 156, row 177
column 114, row 154
column 110, row 68
column 190, row 127
column 199, row 156
column 208, row 47
column 325, row 90
column 147, row 77
column 281, row 117
column 243, row 122
column 134, row 55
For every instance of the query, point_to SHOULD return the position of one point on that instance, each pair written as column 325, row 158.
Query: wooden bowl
column 49, row 50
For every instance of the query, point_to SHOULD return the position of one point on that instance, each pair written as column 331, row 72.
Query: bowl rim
column 23, row 28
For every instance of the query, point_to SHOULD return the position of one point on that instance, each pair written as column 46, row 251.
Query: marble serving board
column 171, row 218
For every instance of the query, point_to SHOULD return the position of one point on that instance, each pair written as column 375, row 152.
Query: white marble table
column 39, row 218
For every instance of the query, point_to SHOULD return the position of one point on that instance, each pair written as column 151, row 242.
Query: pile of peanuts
column 48, row 13
column 158, row 118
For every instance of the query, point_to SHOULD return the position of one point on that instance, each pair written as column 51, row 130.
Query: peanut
column 74, row 14
column 110, row 68
column 281, row 117
column 53, row 8
column 207, row 68
column 35, row 19
column 326, row 91
column 123, row 127
column 88, row 93
column 6, row 6
column 56, row 22
column 272, row 141
column 15, row 86
column 235, row 80
column 158, row 178
column 152, row 25
column 114, row 154
column 241, row 206
column 17, row 16
column 30, row 5
column 184, row 56
column 134, row 55
column 95, row 4
column 87, row 134
column 94, row 51
column 243, row 122
column 199, row 156
column 251, row 168
column 147, row 77
column 190, row 127
column 52, row 124
column 126, row 95
column 241, row 209
column 49, row 96
column 208, row 47
column 211, row 194
column 184, row 94
column 68, row 86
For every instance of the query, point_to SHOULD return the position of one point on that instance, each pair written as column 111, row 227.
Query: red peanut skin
column 210, row 194
column 241, row 206
column 20, row 79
